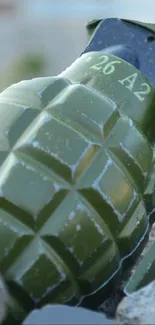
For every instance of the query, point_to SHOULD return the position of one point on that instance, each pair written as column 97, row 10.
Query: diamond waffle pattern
column 61, row 217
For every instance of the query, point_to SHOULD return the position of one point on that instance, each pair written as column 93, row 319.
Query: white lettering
column 110, row 68
column 129, row 81
column 146, row 91
column 98, row 66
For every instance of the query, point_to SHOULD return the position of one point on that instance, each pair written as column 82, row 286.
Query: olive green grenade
column 75, row 161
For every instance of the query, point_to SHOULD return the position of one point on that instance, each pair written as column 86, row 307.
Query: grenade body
column 75, row 159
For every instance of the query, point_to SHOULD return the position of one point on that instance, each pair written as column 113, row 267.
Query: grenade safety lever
column 75, row 162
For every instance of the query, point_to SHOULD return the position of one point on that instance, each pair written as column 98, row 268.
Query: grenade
column 75, row 162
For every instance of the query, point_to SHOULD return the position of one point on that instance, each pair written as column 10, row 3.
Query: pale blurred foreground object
column 139, row 307
column 59, row 314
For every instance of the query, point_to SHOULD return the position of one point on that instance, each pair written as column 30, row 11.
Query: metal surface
column 112, row 32
column 135, row 43
column 75, row 164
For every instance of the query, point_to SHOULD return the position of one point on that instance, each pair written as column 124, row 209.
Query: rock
column 4, row 300
column 139, row 307
column 61, row 314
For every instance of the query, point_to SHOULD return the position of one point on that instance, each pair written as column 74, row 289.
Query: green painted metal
column 75, row 161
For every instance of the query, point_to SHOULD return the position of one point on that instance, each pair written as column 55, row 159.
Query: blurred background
column 43, row 37
column 39, row 37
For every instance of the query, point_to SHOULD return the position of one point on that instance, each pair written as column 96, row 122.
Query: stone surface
column 4, row 300
column 60, row 314
column 139, row 307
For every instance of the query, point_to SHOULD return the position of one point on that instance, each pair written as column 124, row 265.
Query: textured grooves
column 41, row 189
column 65, row 254
column 46, row 212
column 49, row 209
column 54, row 242
column 68, row 174
column 34, row 93
column 16, row 212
